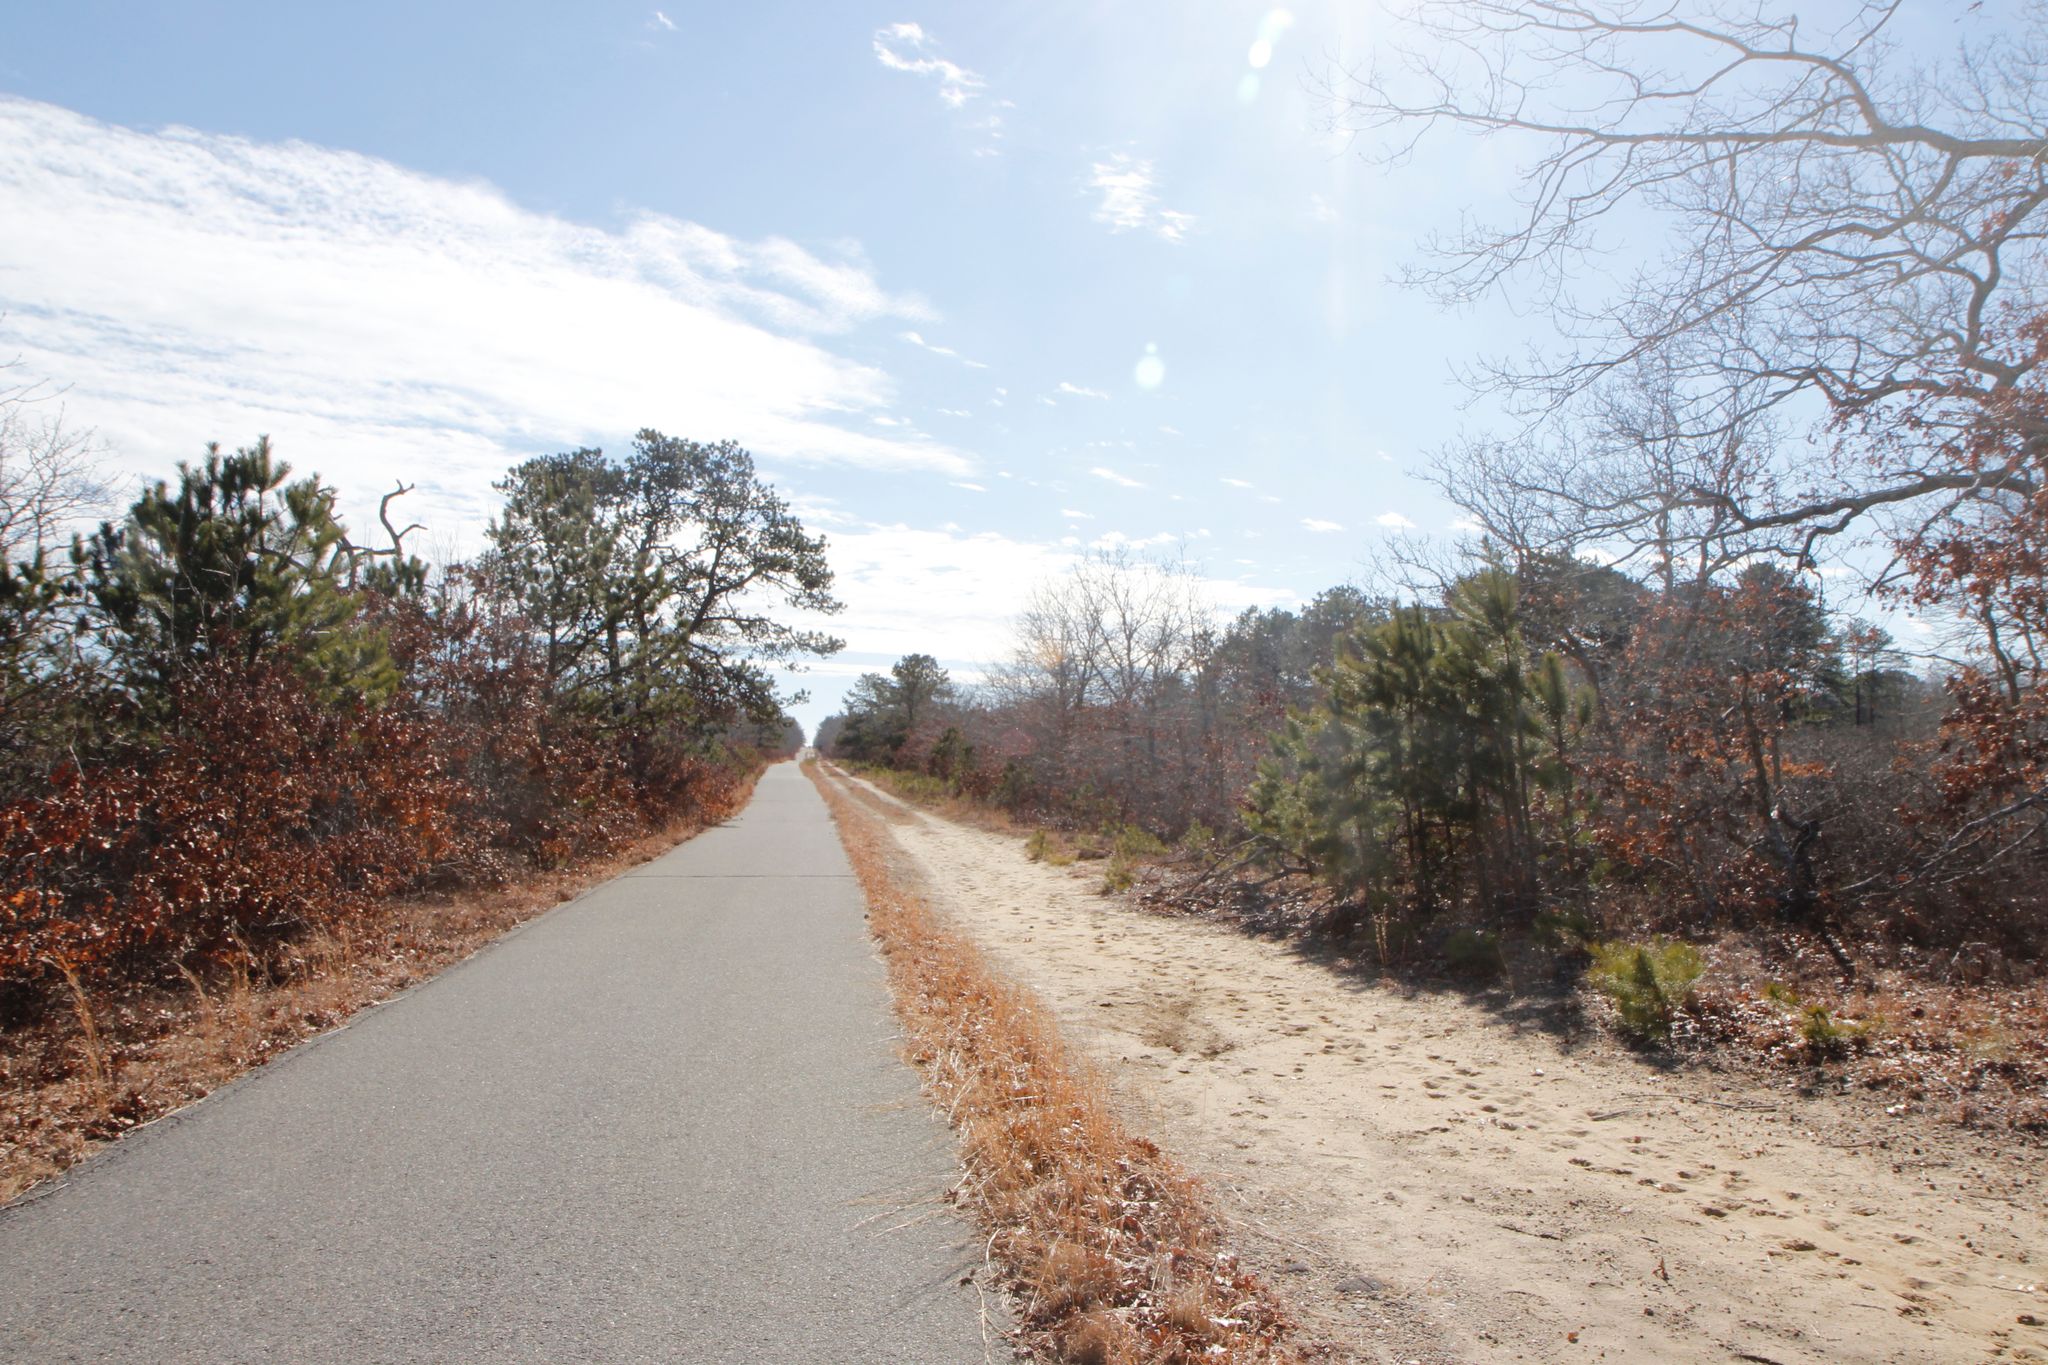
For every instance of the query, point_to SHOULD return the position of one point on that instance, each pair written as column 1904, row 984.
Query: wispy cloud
column 970, row 487
column 1320, row 526
column 662, row 21
column 383, row 323
column 1127, row 190
column 1393, row 521
column 907, row 47
column 917, row 339
column 1073, row 514
column 1237, row 483
column 1104, row 472
column 1077, row 391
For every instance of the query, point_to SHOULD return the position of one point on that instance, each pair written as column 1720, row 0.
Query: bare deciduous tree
column 1847, row 220
column 47, row 477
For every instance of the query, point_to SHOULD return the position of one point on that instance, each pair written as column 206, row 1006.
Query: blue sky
column 982, row 286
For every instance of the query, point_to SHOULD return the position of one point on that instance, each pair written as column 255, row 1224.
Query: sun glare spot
column 1248, row 87
column 1260, row 54
column 1151, row 370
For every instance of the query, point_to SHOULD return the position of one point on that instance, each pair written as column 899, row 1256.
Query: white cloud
column 1237, row 483
column 662, row 21
column 915, row 590
column 1117, row 540
column 1128, row 190
column 1171, row 431
column 1321, row 209
column 380, row 323
column 1317, row 524
column 953, row 412
column 1173, row 225
column 1467, row 525
column 1120, row 480
column 956, row 594
column 907, row 47
column 1077, row 391
column 1394, row 521
column 1074, row 515
column 970, row 487
column 917, row 339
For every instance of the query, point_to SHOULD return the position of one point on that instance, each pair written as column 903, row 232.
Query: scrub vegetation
column 242, row 750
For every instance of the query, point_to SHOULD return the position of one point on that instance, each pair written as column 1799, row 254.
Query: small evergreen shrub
column 1647, row 983
column 1474, row 954
column 1565, row 930
column 1132, row 841
column 1822, row 1032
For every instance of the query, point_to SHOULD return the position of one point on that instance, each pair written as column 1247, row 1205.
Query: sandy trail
column 1429, row 1181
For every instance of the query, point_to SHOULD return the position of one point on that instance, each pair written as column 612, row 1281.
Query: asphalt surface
column 663, row 1122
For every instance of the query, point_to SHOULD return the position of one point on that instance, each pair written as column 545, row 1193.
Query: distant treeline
column 1549, row 737
column 225, row 719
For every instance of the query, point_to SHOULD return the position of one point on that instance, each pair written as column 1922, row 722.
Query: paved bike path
column 663, row 1122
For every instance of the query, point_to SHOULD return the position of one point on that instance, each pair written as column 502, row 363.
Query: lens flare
column 1261, row 53
column 1272, row 26
column 1151, row 370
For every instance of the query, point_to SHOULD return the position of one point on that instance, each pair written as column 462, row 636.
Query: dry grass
column 1104, row 1241
column 125, row 1057
column 932, row 795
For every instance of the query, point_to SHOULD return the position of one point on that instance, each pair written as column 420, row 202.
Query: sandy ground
column 1428, row 1179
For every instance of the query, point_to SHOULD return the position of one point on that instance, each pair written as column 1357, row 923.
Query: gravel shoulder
column 1431, row 1180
